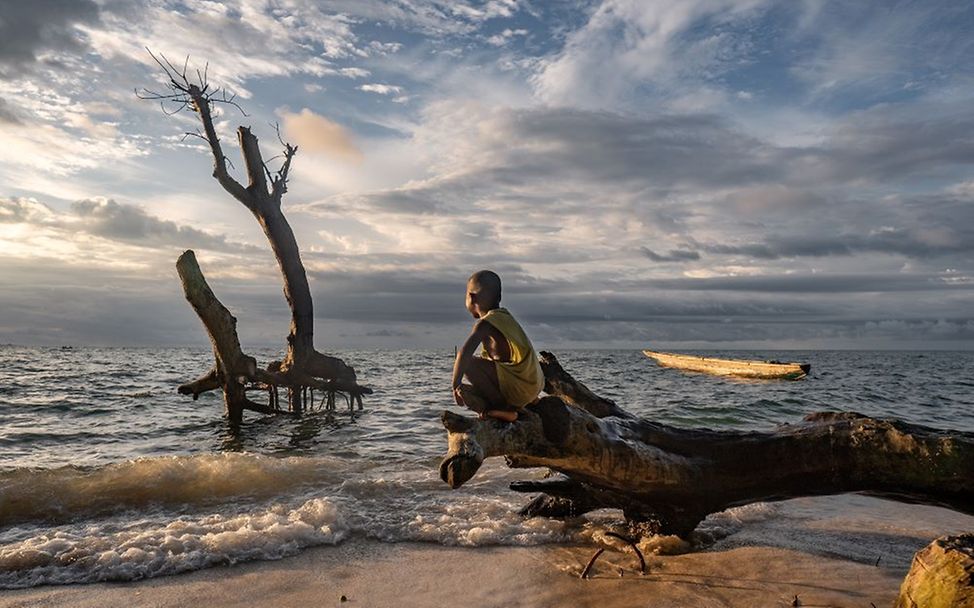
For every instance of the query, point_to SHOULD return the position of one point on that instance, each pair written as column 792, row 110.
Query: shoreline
column 372, row 573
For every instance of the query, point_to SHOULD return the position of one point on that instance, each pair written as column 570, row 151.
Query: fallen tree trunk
column 670, row 479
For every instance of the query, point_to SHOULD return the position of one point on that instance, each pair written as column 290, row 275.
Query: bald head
column 487, row 285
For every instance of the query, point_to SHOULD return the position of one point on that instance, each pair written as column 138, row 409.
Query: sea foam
column 90, row 554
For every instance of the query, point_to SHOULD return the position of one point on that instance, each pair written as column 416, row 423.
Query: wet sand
column 370, row 573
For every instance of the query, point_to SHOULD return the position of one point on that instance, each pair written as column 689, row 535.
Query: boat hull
column 731, row 367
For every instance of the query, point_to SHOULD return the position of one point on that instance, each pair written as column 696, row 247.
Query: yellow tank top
column 521, row 378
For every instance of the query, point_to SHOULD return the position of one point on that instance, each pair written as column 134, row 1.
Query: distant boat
column 732, row 367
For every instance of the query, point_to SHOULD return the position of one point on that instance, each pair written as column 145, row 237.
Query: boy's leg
column 488, row 401
column 482, row 376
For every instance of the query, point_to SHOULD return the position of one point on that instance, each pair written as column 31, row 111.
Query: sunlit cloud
column 317, row 134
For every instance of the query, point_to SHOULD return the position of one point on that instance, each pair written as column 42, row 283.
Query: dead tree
column 303, row 370
column 668, row 479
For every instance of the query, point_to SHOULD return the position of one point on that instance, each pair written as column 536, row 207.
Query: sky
column 686, row 174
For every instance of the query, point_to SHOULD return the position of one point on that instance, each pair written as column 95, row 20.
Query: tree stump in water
column 941, row 576
column 303, row 369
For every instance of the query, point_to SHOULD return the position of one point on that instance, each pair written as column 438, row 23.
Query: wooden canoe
column 732, row 367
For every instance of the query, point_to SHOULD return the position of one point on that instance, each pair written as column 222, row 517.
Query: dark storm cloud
column 895, row 241
column 763, row 334
column 919, row 227
column 117, row 222
column 892, row 143
column 45, row 304
column 29, row 28
column 131, row 224
column 761, row 252
column 674, row 255
column 437, row 295
column 65, row 305
column 666, row 150
column 821, row 284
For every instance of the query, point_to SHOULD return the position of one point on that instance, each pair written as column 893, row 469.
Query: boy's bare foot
column 503, row 415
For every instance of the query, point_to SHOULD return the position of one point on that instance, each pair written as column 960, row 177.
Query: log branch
column 253, row 163
column 202, row 106
column 210, row 381
column 279, row 185
column 559, row 383
column 233, row 367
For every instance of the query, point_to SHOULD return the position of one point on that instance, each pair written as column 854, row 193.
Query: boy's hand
column 458, row 396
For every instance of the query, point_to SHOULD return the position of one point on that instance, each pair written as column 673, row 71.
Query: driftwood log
column 668, row 479
column 303, row 369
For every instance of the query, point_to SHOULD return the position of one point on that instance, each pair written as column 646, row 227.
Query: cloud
column 830, row 284
column 538, row 156
column 314, row 133
column 28, row 211
column 46, row 304
column 681, row 180
column 118, row 222
column 859, row 51
column 8, row 114
column 355, row 72
column 675, row 255
column 913, row 242
column 383, row 48
column 505, row 36
column 627, row 44
column 41, row 31
column 381, row 89
column 255, row 40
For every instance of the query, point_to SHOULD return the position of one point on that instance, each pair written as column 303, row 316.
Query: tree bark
column 941, row 576
column 670, row 479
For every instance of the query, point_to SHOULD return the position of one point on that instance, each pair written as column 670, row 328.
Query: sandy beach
column 409, row 574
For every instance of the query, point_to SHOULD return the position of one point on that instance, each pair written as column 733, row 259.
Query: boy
column 507, row 376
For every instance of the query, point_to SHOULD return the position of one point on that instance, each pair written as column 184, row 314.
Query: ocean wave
column 724, row 523
column 91, row 555
column 69, row 493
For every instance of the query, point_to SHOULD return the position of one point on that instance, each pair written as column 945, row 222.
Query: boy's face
column 473, row 299
column 479, row 300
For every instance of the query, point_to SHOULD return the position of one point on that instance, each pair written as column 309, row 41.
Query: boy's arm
column 465, row 354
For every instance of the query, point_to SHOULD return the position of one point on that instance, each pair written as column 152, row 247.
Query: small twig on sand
column 591, row 563
column 631, row 543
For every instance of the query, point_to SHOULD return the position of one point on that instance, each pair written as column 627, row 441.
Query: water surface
column 107, row 474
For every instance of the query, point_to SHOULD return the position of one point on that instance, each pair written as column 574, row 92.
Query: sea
column 107, row 474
